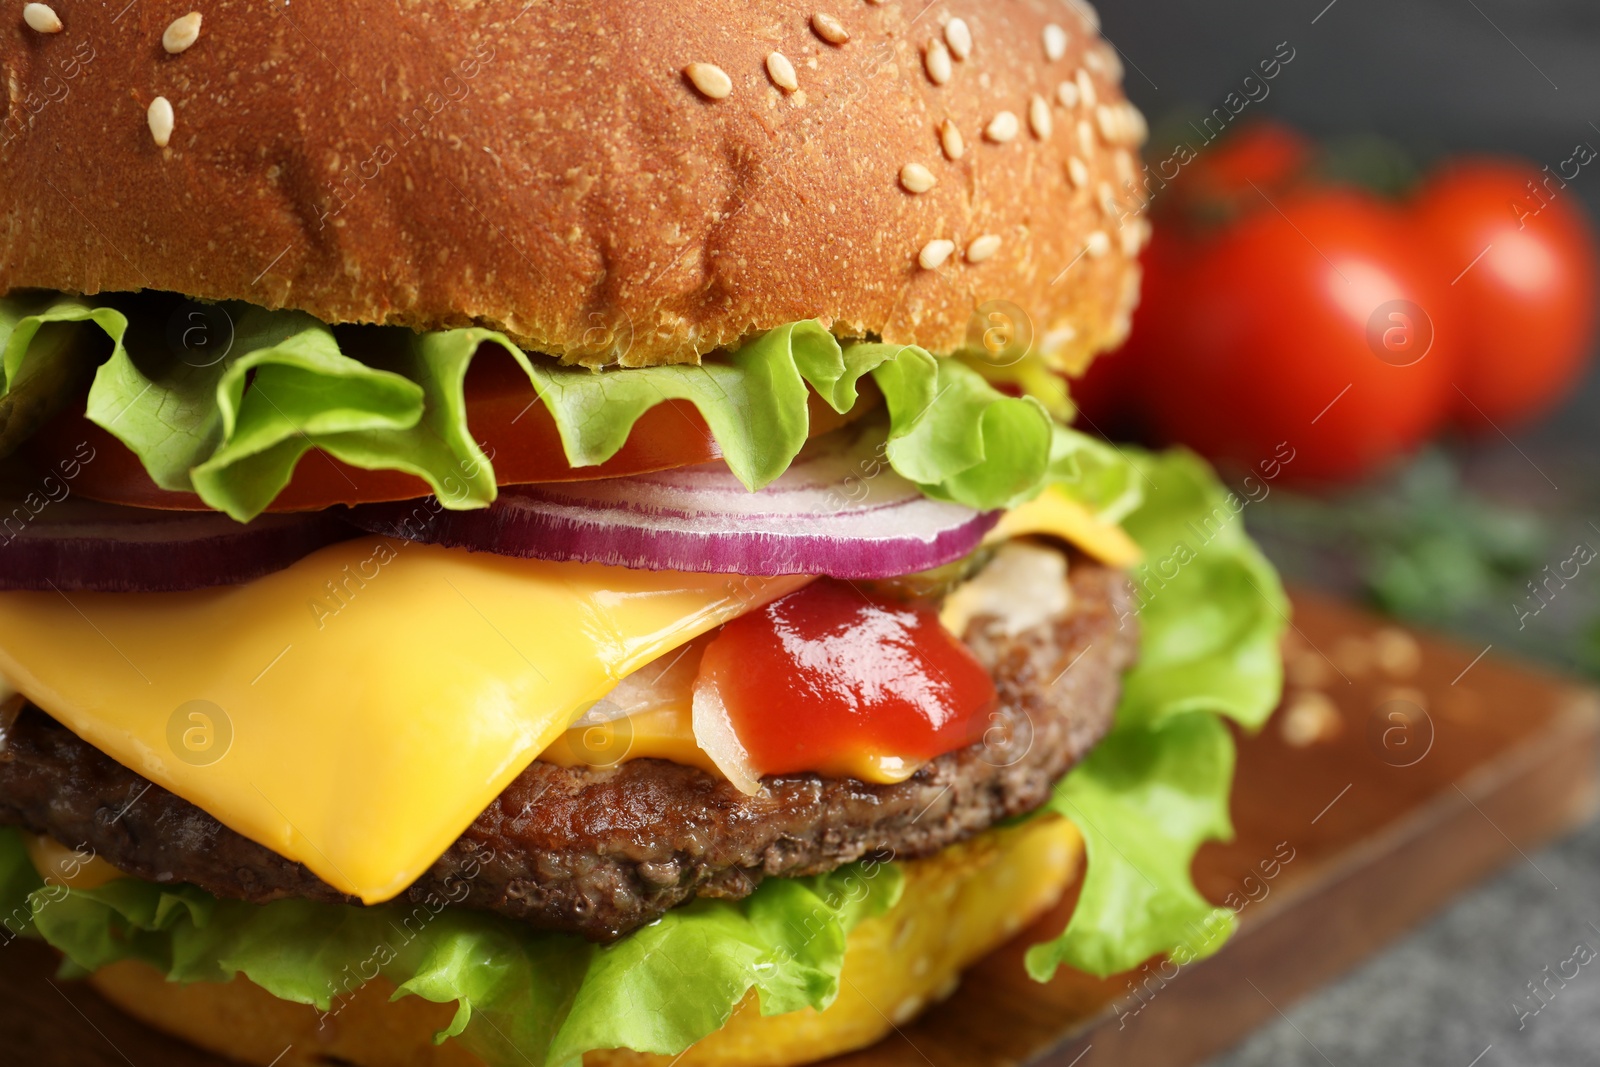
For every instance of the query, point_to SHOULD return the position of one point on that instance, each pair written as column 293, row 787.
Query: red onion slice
column 839, row 511
column 81, row 545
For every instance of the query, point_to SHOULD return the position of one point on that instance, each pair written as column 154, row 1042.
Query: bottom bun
column 957, row 906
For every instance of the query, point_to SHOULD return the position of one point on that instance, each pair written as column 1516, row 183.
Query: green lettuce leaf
column 230, row 421
column 18, row 883
column 233, row 429
column 1145, row 799
column 522, row 996
column 1210, row 605
column 1211, row 613
column 1098, row 475
column 41, row 365
column 24, row 316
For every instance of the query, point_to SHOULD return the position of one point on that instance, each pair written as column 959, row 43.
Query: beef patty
column 600, row 851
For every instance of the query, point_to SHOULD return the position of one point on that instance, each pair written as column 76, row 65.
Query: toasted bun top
column 563, row 170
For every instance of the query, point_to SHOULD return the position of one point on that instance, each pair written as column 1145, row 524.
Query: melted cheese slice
column 1053, row 512
column 665, row 732
column 357, row 711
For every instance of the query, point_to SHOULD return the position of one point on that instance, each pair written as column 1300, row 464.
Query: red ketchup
column 826, row 676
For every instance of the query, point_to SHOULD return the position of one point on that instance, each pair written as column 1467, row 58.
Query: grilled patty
column 601, row 851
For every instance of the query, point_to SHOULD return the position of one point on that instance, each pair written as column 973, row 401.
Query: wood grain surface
column 1399, row 771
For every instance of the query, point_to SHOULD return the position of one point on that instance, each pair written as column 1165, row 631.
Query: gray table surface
column 1457, row 992
column 1436, row 75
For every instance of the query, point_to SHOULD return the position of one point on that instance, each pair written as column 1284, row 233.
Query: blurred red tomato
column 1222, row 182
column 1528, row 304
column 1107, row 395
column 1229, row 178
column 1324, row 327
column 1100, row 395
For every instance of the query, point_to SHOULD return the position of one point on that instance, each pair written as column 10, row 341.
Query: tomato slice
column 515, row 430
column 825, row 676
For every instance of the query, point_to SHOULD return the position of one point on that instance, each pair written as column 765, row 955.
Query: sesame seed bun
column 956, row 907
column 627, row 183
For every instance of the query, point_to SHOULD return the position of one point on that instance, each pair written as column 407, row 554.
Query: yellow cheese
column 356, row 711
column 1053, row 512
column 665, row 732
column 75, row 868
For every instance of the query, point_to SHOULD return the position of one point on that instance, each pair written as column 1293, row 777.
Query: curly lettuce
column 521, row 997
column 41, row 367
column 1210, row 612
column 230, row 420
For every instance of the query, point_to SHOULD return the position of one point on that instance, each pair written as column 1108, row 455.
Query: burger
column 550, row 532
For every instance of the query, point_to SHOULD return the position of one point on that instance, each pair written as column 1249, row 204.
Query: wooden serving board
column 1400, row 771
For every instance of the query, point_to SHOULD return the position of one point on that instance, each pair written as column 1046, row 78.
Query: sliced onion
column 85, row 546
column 715, row 734
column 665, row 682
column 838, row 511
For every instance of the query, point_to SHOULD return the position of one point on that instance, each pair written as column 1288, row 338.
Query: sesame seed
column 1139, row 129
column 1039, row 117
column 1125, row 171
column 1086, row 11
column 1098, row 244
column 916, row 178
column 712, row 81
column 1055, row 42
column 950, row 139
column 41, row 17
column 1086, row 89
column 1054, row 341
column 829, row 28
column 906, row 1010
column 1086, row 137
column 781, row 71
column 161, row 120
column 959, row 37
column 1108, row 199
column 1077, row 172
column 1111, row 63
column 1002, row 128
column 1095, row 61
column 1067, row 93
column 934, row 253
column 182, row 33
column 1109, row 124
column 937, row 60
column 1133, row 238
column 983, row 247
column 1121, row 327
column 1107, row 117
